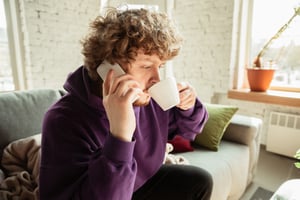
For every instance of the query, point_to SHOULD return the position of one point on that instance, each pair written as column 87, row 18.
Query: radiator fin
column 283, row 133
column 298, row 123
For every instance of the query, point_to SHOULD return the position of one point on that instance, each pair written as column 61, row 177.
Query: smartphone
column 104, row 68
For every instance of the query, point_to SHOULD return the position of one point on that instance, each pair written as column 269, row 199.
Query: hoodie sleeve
column 188, row 123
column 71, row 167
column 112, row 174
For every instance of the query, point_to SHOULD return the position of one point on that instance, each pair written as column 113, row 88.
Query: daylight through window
column 6, row 77
column 283, row 53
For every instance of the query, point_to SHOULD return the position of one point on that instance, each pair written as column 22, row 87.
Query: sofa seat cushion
column 229, row 170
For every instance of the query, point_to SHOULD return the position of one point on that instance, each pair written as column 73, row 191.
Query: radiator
column 283, row 135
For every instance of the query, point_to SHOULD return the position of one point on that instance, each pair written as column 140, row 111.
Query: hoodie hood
column 78, row 84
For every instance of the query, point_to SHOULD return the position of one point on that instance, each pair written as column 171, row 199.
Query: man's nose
column 155, row 75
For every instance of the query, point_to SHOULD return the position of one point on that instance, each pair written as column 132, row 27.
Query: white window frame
column 241, row 41
column 16, row 43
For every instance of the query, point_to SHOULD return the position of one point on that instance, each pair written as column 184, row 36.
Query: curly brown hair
column 120, row 34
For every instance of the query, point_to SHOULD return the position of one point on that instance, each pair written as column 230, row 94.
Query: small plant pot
column 260, row 79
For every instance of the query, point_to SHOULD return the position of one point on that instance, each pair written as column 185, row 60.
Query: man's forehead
column 141, row 56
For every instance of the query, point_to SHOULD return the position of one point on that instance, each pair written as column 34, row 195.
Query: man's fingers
column 133, row 94
column 182, row 85
column 187, row 95
column 107, row 83
column 124, row 86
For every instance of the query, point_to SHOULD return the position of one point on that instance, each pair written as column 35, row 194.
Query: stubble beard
column 143, row 100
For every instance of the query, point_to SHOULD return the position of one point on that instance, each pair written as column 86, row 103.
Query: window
column 11, row 51
column 6, row 78
column 255, row 21
column 138, row 6
column 268, row 17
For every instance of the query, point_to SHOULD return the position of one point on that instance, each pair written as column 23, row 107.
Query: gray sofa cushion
column 22, row 113
column 228, row 167
column 242, row 129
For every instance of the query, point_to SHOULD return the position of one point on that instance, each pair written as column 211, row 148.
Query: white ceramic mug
column 165, row 93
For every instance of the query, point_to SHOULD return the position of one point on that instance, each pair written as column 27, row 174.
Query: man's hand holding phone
column 119, row 93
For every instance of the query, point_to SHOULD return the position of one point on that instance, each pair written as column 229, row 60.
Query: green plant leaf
column 297, row 164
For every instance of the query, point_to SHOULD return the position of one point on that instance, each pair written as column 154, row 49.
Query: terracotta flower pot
column 260, row 79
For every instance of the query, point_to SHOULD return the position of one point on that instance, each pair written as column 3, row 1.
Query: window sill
column 270, row 96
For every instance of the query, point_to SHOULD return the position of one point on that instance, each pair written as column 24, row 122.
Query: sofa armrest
column 243, row 129
column 246, row 130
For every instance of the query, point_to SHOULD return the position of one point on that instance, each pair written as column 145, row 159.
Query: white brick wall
column 53, row 28
column 204, row 61
column 52, row 31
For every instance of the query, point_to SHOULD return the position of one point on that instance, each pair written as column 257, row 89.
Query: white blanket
column 172, row 158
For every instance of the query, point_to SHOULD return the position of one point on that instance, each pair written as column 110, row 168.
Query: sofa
column 232, row 166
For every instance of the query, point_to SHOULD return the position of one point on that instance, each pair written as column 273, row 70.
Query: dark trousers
column 177, row 182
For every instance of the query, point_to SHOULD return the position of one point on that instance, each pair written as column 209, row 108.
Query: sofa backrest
column 21, row 113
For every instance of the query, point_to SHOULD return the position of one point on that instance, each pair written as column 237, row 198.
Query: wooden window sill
column 270, row 96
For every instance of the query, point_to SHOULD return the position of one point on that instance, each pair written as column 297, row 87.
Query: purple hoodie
column 81, row 160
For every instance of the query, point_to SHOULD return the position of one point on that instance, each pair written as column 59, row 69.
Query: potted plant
column 259, row 76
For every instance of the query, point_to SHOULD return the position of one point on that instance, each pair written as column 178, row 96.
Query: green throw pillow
column 219, row 119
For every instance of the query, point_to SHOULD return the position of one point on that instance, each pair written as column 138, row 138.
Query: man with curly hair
column 106, row 140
